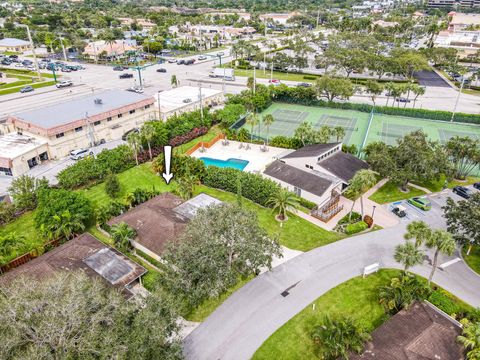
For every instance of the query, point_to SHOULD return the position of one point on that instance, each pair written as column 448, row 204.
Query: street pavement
column 248, row 317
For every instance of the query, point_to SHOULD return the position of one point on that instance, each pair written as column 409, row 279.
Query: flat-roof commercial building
column 14, row 45
column 185, row 99
column 85, row 121
column 19, row 153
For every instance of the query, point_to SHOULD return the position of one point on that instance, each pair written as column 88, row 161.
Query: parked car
column 402, row 100
column 180, row 62
column 462, row 191
column 477, row 185
column 220, row 54
column 80, row 154
column 13, row 56
column 202, row 57
column 162, row 70
column 171, row 61
column 26, row 89
column 126, row 76
column 189, row 62
column 65, row 69
column 421, row 203
column 304, row 84
column 186, row 101
column 136, row 89
column 118, row 68
column 6, row 62
column 64, row 83
column 400, row 211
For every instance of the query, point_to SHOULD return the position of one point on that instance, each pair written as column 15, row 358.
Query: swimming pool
column 230, row 163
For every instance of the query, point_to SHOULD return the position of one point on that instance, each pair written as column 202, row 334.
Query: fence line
column 205, row 144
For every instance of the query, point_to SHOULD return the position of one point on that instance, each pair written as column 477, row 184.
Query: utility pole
column 318, row 17
column 458, row 99
column 271, row 72
column 37, row 69
column 63, row 49
column 201, row 101
column 223, row 81
column 159, row 108
column 254, row 79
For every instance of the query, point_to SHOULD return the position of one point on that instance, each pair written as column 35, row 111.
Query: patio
column 257, row 159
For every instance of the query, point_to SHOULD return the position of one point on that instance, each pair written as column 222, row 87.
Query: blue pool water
column 230, row 163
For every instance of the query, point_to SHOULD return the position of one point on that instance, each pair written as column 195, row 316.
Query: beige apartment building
column 53, row 131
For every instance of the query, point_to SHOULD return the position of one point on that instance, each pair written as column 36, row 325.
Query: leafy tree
column 24, row 191
column 402, row 292
column 7, row 212
column 464, row 153
column 112, row 185
column 234, row 244
column 173, row 81
column 82, row 318
column 335, row 338
column 463, row 220
column 122, row 234
column 470, row 339
column 417, row 91
column 408, row 255
column 229, row 114
column 334, row 88
column 361, row 182
column 268, row 121
column 339, row 133
column 67, row 225
column 252, row 120
column 283, row 201
column 305, row 133
column 186, row 185
column 374, row 88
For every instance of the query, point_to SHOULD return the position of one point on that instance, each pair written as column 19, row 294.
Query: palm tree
column 419, row 231
column 470, row 339
column 282, row 202
column 186, row 185
column 148, row 132
column 338, row 337
column 122, row 234
column 133, row 139
column 252, row 120
column 67, row 225
column 339, row 132
column 408, row 255
column 268, row 121
column 361, row 182
column 442, row 242
column 173, row 81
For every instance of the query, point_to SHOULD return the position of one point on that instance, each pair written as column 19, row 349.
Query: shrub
column 306, row 203
column 181, row 165
column 254, row 186
column 7, row 212
column 368, row 220
column 139, row 196
column 193, row 134
column 107, row 211
column 445, row 304
column 112, row 185
column 309, row 77
column 354, row 228
column 186, row 122
column 347, row 219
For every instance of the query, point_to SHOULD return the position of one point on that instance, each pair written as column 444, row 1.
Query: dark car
column 162, row 70
column 180, row 62
column 403, row 100
column 477, row 185
column 400, row 211
column 126, row 76
column 118, row 68
column 462, row 191
column 304, row 85
column 190, row 62
column 13, row 56
column 6, row 62
column 26, row 89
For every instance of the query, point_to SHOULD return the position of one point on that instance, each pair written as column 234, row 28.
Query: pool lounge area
column 236, row 155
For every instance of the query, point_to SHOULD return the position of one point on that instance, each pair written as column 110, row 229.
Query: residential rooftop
column 311, row 150
column 174, row 99
column 13, row 42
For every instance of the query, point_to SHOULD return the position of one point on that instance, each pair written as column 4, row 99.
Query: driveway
column 254, row 312
column 430, row 78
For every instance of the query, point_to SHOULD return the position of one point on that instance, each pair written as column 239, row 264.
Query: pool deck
column 257, row 159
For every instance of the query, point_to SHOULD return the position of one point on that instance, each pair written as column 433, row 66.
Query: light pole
column 159, row 108
column 373, row 211
column 458, row 99
column 37, row 69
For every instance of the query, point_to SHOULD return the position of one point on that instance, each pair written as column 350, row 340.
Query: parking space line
column 448, row 263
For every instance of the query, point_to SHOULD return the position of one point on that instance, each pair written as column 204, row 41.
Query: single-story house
column 420, row 332
column 161, row 219
column 14, row 45
column 83, row 253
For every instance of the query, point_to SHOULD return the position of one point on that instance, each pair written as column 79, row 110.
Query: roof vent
column 98, row 101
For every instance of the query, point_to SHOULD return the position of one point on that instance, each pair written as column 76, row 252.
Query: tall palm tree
column 122, row 234
column 148, row 132
column 268, row 121
column 419, row 231
column 282, row 202
column 339, row 132
column 408, row 255
column 186, row 185
column 470, row 339
column 361, row 182
column 442, row 242
column 174, row 81
column 67, row 225
column 252, row 120
column 133, row 139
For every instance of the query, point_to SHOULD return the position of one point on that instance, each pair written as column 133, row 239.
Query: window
column 297, row 191
column 109, row 118
column 119, row 116
column 132, row 111
column 6, row 171
column 96, row 123
column 80, row 128
column 147, row 106
column 59, row 135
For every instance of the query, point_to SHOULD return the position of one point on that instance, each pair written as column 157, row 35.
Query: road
column 254, row 312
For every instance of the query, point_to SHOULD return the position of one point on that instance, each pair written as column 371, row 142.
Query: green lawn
column 34, row 85
column 391, row 192
column 182, row 149
column 25, row 226
column 473, row 259
column 437, row 185
column 355, row 298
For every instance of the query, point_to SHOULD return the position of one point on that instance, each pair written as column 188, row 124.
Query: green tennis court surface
column 386, row 128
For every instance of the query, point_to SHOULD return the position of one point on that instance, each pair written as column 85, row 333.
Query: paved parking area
column 430, row 78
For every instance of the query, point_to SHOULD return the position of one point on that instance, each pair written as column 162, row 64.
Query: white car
column 80, row 154
column 64, row 83
column 202, row 57
column 136, row 89
column 171, row 61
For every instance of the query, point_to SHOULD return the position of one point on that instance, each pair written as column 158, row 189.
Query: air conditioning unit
column 98, row 101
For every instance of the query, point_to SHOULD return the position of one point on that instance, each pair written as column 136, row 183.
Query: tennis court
column 386, row 128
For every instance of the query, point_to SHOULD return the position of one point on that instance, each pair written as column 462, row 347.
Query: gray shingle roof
column 64, row 113
column 13, row 42
column 307, row 181
column 343, row 165
column 311, row 150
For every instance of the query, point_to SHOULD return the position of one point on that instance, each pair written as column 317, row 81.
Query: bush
column 107, row 211
column 445, row 304
column 285, row 142
column 368, row 220
column 193, row 134
column 355, row 217
column 309, row 77
column 186, row 122
column 7, row 212
column 181, row 165
column 306, row 203
column 354, row 228
column 112, row 185
column 254, row 187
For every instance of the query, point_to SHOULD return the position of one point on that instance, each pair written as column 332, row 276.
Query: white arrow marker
column 167, row 152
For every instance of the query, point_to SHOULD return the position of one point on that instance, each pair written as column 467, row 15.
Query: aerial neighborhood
column 240, row 180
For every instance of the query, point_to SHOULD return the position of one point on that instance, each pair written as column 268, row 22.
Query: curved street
column 254, row 312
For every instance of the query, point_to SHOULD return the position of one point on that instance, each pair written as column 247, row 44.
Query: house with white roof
column 14, row 45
